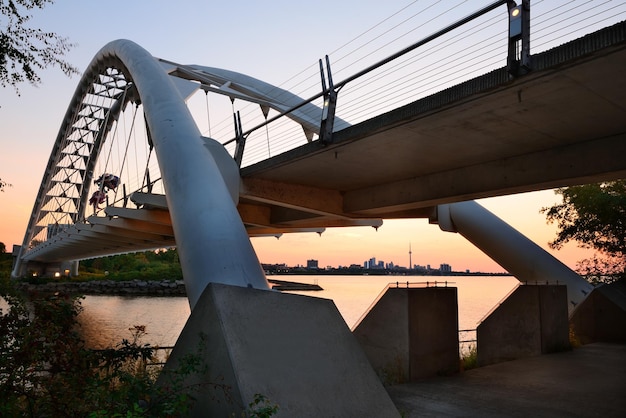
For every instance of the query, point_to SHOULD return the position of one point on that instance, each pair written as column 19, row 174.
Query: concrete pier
column 531, row 321
column 297, row 351
column 412, row 333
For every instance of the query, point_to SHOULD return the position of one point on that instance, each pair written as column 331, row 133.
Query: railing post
column 330, row 103
column 518, row 60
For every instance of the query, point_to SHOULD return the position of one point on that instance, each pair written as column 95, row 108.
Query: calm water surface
column 106, row 319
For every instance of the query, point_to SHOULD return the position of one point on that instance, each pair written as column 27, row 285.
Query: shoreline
column 139, row 287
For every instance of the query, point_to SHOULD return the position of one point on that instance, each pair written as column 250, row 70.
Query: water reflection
column 106, row 319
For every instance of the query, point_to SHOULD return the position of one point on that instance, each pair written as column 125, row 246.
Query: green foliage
column 24, row 50
column 46, row 369
column 594, row 215
column 6, row 261
column 149, row 265
column 3, row 183
column 261, row 407
column 469, row 360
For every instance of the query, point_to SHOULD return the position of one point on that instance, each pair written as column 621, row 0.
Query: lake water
column 106, row 319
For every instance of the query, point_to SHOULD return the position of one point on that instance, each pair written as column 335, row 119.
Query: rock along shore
column 138, row 287
column 111, row 287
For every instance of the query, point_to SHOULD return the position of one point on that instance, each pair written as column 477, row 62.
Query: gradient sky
column 267, row 40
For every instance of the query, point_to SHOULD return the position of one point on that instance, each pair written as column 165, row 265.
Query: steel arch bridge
column 190, row 197
column 201, row 178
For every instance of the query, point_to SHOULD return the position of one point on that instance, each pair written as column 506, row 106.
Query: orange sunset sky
column 267, row 40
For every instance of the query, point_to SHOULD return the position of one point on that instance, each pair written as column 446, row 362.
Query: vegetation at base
column 46, row 368
column 148, row 265
column 469, row 359
column 594, row 216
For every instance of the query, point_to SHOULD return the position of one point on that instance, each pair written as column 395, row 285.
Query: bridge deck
column 562, row 124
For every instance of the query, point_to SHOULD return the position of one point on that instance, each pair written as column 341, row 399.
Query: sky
column 268, row 40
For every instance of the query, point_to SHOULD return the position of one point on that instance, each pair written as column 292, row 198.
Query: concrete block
column 412, row 333
column 554, row 319
column 601, row 317
column 297, row 351
column 531, row 321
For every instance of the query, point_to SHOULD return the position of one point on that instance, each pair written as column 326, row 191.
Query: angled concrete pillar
column 508, row 247
column 297, row 351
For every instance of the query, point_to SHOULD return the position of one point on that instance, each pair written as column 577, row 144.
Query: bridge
column 545, row 120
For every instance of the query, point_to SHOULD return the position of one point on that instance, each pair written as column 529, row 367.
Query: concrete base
column 533, row 320
column 602, row 316
column 297, row 351
column 412, row 333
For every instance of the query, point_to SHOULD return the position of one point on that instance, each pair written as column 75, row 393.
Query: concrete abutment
column 532, row 320
column 296, row 351
column 412, row 333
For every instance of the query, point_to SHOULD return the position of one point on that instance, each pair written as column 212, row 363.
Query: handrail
column 340, row 85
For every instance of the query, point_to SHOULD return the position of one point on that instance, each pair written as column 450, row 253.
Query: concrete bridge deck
column 589, row 381
column 560, row 125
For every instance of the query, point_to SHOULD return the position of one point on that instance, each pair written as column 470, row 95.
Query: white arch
column 212, row 242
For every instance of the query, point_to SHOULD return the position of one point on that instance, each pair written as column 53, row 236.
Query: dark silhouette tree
column 25, row 50
column 594, row 215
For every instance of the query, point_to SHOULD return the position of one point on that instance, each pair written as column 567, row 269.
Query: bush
column 470, row 359
column 47, row 370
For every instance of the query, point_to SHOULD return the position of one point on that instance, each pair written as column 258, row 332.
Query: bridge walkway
column 588, row 381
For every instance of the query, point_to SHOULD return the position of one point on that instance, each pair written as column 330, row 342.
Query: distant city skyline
column 374, row 264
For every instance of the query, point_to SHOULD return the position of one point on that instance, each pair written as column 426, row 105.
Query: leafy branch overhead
column 593, row 215
column 24, row 51
column 3, row 184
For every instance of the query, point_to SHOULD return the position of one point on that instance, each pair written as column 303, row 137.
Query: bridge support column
column 531, row 321
column 297, row 351
column 517, row 254
column 412, row 333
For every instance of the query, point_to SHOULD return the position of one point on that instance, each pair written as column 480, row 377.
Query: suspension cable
column 208, row 114
column 132, row 128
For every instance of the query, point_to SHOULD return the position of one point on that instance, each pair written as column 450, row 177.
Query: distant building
column 445, row 268
column 312, row 264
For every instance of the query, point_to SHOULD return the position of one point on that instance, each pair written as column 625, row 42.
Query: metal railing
column 518, row 59
column 471, row 46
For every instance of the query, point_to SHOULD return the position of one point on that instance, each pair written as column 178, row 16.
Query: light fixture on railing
column 515, row 22
column 518, row 61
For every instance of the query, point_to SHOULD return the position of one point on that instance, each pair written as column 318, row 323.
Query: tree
column 594, row 215
column 24, row 50
column 3, row 184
